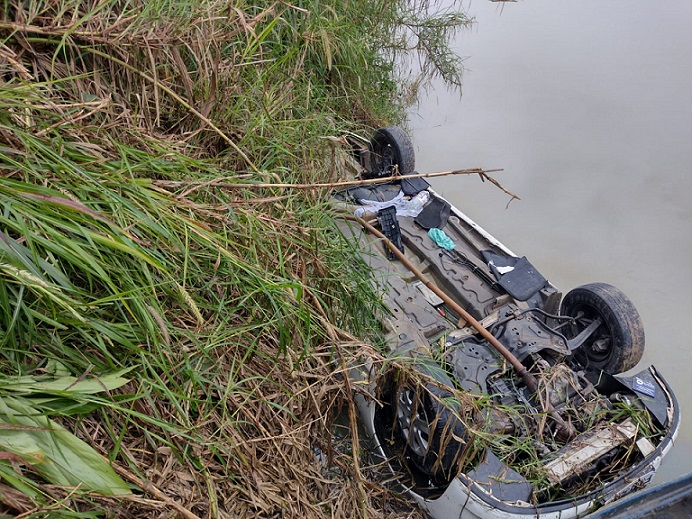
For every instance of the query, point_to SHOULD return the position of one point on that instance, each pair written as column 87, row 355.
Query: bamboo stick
column 483, row 173
column 519, row 368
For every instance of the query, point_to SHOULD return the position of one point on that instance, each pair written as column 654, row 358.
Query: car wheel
column 390, row 147
column 427, row 432
column 618, row 343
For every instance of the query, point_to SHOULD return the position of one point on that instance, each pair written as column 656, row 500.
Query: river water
column 587, row 106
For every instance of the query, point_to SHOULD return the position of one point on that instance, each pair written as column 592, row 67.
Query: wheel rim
column 385, row 159
column 413, row 422
column 599, row 347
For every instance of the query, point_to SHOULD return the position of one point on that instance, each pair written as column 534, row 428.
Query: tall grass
column 193, row 336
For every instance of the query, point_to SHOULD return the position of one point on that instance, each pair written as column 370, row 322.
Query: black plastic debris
column 390, row 228
column 517, row 276
column 413, row 186
column 435, row 214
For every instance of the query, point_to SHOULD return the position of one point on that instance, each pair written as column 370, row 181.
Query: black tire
column 616, row 345
column 391, row 148
column 426, row 431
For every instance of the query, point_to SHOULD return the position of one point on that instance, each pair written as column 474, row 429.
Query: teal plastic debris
column 442, row 240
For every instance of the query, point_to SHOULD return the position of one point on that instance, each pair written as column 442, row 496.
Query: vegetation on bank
column 172, row 345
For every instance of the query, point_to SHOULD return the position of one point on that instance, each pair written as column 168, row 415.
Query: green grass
column 193, row 336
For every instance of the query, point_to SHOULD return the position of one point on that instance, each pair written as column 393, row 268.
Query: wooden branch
column 483, row 173
column 490, row 179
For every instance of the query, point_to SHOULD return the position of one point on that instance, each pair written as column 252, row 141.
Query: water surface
column 588, row 108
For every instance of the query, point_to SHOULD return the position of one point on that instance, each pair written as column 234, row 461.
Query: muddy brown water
column 588, row 108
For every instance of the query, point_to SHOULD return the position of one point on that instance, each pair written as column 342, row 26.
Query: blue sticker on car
column 644, row 387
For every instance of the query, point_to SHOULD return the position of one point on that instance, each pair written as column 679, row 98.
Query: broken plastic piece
column 577, row 457
column 521, row 281
column 390, row 228
column 435, row 214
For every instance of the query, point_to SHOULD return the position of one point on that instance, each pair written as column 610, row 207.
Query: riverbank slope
column 173, row 344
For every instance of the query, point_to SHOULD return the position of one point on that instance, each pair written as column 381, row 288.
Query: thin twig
column 498, row 185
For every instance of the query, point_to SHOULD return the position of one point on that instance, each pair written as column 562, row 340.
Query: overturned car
column 524, row 403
